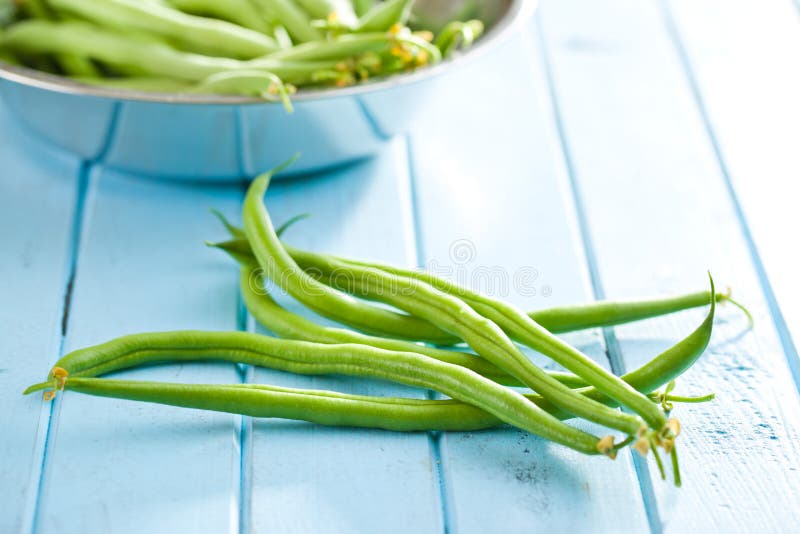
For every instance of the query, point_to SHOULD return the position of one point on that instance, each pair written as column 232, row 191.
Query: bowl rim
column 517, row 12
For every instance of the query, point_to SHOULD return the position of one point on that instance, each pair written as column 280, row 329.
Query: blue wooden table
column 614, row 149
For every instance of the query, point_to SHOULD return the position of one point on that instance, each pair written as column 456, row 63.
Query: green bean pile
column 261, row 48
column 396, row 343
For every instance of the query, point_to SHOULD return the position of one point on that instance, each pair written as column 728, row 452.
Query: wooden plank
column 660, row 215
column 37, row 199
column 308, row 478
column 742, row 62
column 494, row 212
column 117, row 466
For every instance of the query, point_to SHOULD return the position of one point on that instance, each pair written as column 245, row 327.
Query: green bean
column 424, row 301
column 513, row 321
column 509, row 319
column 367, row 317
column 241, row 12
column 71, row 64
column 458, row 35
column 289, row 15
column 384, row 15
column 142, row 54
column 409, row 49
column 8, row 11
column 342, row 47
column 247, row 82
column 315, row 406
column 7, row 57
column 603, row 314
column 282, row 37
column 557, row 320
column 362, row 6
column 312, row 358
column 192, row 40
column 522, row 328
column 376, row 412
column 288, row 325
column 197, row 34
column 145, row 56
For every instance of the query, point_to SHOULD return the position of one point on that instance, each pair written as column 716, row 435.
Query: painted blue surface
column 607, row 151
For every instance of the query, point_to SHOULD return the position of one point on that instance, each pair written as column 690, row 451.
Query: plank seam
column 245, row 323
column 612, row 348
column 785, row 337
column 435, row 439
column 78, row 224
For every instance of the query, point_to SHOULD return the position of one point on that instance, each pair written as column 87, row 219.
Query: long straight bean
column 557, row 320
column 400, row 414
column 422, row 300
column 313, row 358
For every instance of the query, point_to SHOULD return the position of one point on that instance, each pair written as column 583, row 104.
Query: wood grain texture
column 659, row 215
column 37, row 199
column 117, row 466
column 661, row 107
column 742, row 63
column 494, row 213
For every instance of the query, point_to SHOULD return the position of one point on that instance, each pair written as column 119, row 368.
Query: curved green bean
column 557, row 320
column 312, row 358
column 422, row 300
column 291, row 326
column 520, row 327
column 325, row 300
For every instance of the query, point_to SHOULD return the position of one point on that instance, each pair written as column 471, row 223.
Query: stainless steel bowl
column 225, row 138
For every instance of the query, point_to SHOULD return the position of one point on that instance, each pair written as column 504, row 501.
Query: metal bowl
column 227, row 138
